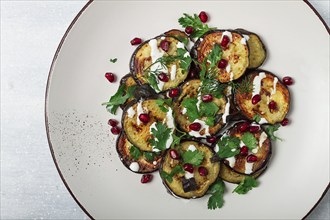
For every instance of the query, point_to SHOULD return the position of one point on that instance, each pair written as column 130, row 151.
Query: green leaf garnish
column 214, row 56
column 243, row 87
column 270, row 130
column 257, row 118
column 191, row 105
column 194, row 21
column 216, row 199
column 184, row 57
column 162, row 102
column 161, row 134
column 151, row 78
column 246, row 185
column 213, row 87
column 193, row 157
column 113, row 60
column 169, row 176
column 228, row 146
column 150, row 156
column 249, row 140
column 135, row 152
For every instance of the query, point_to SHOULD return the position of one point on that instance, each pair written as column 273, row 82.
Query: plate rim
column 59, row 47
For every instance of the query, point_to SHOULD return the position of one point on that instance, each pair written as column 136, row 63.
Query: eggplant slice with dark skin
column 191, row 185
column 275, row 98
column 144, row 165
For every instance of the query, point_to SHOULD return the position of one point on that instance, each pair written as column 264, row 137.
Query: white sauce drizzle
column 228, row 91
column 139, row 110
column 199, row 101
column 169, row 118
column 231, row 76
column 184, row 111
column 257, row 83
column 228, row 68
column 203, row 126
column 262, row 138
column 216, row 148
column 180, row 45
column 248, row 168
column 274, row 86
column 190, row 45
column 155, row 54
column 173, row 72
column 226, row 113
column 232, row 161
column 134, row 166
column 243, row 41
column 154, row 162
column 227, row 33
column 188, row 175
column 191, row 147
column 130, row 112
column 246, row 37
column 263, row 121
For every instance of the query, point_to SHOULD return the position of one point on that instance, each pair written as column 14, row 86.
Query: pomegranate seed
column 195, row 126
column 174, row 154
column 287, row 80
column 285, row 122
column 251, row 158
column 222, row 63
column 207, row 98
column 188, row 167
column 115, row 130
column 225, row 41
column 255, row 99
column 189, row 29
column 243, row 127
column 165, row 45
column 144, row 118
column 110, row 76
column 163, row 77
column 136, row 41
column 211, row 139
column 202, row 171
column 203, row 16
column 173, row 93
column 112, row 122
column 146, row 178
column 272, row 105
column 254, row 129
column 244, row 151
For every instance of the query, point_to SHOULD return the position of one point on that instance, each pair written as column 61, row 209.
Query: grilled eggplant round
column 236, row 53
column 270, row 89
column 197, row 185
column 258, row 52
column 180, row 35
column 191, row 89
column 145, row 164
column 254, row 160
column 138, row 132
column 146, row 67
column 129, row 81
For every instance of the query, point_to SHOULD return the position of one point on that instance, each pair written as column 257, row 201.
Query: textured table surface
column 31, row 188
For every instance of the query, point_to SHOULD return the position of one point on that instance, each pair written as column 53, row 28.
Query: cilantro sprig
column 249, row 140
column 169, row 176
column 135, row 152
column 246, row 185
column 270, row 131
column 228, row 146
column 161, row 134
column 193, row 157
column 216, row 199
column 161, row 102
column 113, row 60
column 194, row 21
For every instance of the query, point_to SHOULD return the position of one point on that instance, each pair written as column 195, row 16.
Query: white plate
column 84, row 149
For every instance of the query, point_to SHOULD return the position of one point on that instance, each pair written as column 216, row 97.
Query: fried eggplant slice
column 129, row 81
column 274, row 97
column 183, row 183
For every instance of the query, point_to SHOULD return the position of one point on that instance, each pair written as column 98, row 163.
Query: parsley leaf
column 169, row 176
column 228, row 146
column 191, row 105
column 119, row 98
column 150, row 156
column 195, row 22
column 208, row 109
column 135, row 152
column 160, row 136
column 161, row 102
column 214, row 56
column 246, row 185
column 151, row 78
column 184, row 57
column 193, row 157
column 257, row 118
column 249, row 140
column 216, row 199
column 176, row 139
column 113, row 60
column 270, row 130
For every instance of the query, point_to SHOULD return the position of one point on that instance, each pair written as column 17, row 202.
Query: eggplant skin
column 203, row 182
column 258, row 52
column 237, row 53
column 123, row 149
column 176, row 33
column 281, row 97
column 129, row 81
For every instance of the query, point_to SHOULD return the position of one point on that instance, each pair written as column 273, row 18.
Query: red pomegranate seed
column 110, row 76
column 243, row 127
column 285, row 122
column 173, row 93
column 211, row 139
column 144, row 118
column 255, row 99
column 222, row 63
column 272, row 105
column 165, row 45
column 244, row 151
column 146, row 178
column 195, row 126
column 202, row 171
column 254, row 129
column 251, row 158
column 112, row 122
column 203, row 16
column 207, row 98
column 136, row 41
column 174, row 154
column 188, row 167
column 287, row 80
column 225, row 41
column 189, row 29
column 163, row 77
column 115, row 130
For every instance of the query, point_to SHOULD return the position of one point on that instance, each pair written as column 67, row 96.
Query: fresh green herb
column 209, row 110
column 246, row 185
column 113, row 60
column 150, row 156
column 228, row 146
column 210, row 121
column 249, row 140
column 169, row 176
column 119, row 98
column 177, row 139
column 193, row 157
column 135, row 152
column 161, row 102
column 160, row 136
column 184, row 58
column 214, row 56
column 243, row 87
column 270, row 130
column 151, row 78
column 257, row 118
column 191, row 105
column 213, row 87
column 216, row 199
column 196, row 23
column 184, row 40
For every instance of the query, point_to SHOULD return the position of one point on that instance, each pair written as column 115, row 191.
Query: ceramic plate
column 84, row 149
